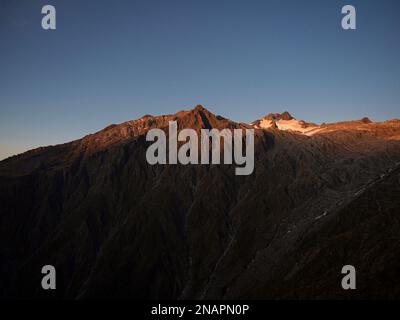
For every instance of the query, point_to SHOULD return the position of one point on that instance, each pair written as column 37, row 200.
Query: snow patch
column 321, row 216
column 290, row 125
column 265, row 124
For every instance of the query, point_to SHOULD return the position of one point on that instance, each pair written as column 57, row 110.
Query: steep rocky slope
column 114, row 226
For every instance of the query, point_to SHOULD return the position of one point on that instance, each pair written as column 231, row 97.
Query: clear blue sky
column 113, row 61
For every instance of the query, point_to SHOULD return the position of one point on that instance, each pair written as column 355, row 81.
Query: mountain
column 285, row 121
column 320, row 197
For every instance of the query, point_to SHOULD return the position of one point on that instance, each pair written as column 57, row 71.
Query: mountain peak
column 366, row 120
column 278, row 116
column 199, row 107
column 286, row 116
column 285, row 121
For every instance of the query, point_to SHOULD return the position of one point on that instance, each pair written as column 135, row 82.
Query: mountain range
column 320, row 197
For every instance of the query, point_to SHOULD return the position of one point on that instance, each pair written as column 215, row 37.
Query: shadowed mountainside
column 114, row 226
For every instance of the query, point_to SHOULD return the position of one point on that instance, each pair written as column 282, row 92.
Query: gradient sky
column 113, row 61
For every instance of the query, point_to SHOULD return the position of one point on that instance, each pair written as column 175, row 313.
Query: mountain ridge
column 141, row 125
column 114, row 226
